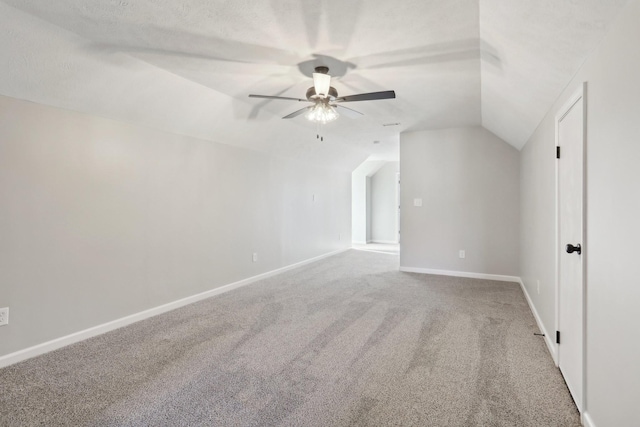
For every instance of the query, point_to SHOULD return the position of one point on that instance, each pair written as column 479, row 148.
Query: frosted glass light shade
column 321, row 83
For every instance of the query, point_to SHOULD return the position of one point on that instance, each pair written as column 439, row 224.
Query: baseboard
column 547, row 338
column 57, row 343
column 587, row 421
column 358, row 243
column 471, row 275
column 386, row 242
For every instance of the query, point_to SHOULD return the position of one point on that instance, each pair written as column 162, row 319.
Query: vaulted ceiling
column 187, row 66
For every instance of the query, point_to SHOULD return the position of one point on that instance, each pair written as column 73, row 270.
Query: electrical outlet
column 255, row 257
column 340, row 236
column 4, row 316
column 538, row 285
column 462, row 253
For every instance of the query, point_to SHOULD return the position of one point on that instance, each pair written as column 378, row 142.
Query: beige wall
column 468, row 180
column 613, row 226
column 100, row 219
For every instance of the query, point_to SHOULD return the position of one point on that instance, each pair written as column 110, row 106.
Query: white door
column 570, row 138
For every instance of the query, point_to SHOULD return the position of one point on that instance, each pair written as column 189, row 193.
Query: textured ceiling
column 187, row 66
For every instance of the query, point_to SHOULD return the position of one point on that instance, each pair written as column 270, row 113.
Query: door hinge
column 557, row 152
column 557, row 337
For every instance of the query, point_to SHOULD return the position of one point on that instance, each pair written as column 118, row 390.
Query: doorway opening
column 375, row 206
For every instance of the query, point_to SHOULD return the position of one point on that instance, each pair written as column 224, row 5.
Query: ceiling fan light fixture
column 322, row 83
column 322, row 113
column 325, row 99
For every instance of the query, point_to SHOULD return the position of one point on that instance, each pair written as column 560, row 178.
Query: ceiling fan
column 325, row 101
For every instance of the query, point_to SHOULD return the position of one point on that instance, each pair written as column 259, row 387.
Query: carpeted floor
column 348, row 340
column 391, row 248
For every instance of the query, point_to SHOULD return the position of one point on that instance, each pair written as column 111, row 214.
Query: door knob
column 571, row 249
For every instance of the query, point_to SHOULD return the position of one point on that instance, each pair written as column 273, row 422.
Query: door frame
column 580, row 93
column 398, row 213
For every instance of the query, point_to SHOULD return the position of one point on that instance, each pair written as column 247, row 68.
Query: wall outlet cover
column 255, row 257
column 417, row 202
column 462, row 253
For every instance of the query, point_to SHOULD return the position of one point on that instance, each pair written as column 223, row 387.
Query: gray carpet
column 389, row 248
column 345, row 341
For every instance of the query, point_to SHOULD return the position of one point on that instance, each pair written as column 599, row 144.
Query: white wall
column 100, row 219
column 384, row 204
column 361, row 200
column 613, row 228
column 468, row 179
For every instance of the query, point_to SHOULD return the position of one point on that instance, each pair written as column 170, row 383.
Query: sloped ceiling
column 187, row 66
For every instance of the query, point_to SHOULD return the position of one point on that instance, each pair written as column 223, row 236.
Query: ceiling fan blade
column 367, row 96
column 296, row 113
column 352, row 114
column 278, row 97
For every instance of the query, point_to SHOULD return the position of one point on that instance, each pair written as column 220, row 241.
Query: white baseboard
column 57, row 343
column 386, row 242
column 471, row 275
column 587, row 421
column 358, row 243
column 547, row 338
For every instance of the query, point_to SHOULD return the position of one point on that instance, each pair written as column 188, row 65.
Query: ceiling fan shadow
column 309, row 20
column 140, row 50
column 436, row 53
column 170, row 42
column 215, row 73
column 340, row 19
column 337, row 67
column 431, row 59
column 343, row 19
column 489, row 54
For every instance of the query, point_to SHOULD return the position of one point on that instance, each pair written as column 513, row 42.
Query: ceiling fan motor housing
column 312, row 95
